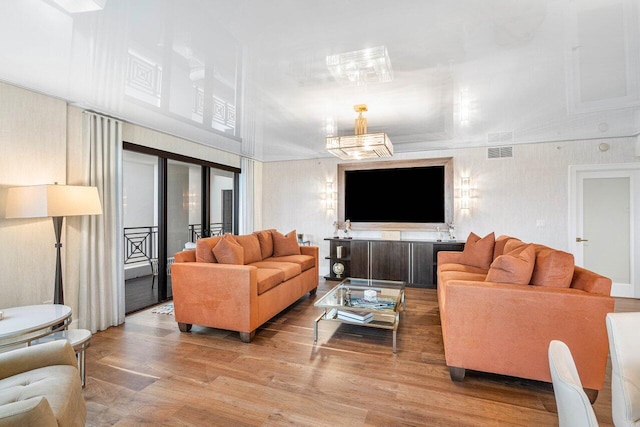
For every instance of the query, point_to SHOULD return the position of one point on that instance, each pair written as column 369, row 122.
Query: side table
column 79, row 339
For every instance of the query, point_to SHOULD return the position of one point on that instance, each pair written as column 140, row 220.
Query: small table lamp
column 56, row 201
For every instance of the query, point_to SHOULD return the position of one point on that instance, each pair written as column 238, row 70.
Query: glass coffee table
column 365, row 302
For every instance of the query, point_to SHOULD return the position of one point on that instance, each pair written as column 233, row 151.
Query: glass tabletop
column 364, row 295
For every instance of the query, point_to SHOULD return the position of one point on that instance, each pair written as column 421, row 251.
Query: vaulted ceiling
column 251, row 76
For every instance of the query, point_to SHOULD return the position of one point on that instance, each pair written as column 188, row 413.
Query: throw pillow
column 228, row 251
column 204, row 249
column 553, row 268
column 501, row 242
column 251, row 246
column 266, row 242
column 285, row 244
column 478, row 252
column 515, row 268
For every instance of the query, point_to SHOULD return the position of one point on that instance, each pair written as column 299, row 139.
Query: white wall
column 33, row 132
column 512, row 196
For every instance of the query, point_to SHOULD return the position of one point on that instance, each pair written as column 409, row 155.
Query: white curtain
column 101, row 293
column 250, row 214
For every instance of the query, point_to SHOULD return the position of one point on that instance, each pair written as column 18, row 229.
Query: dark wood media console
column 412, row 261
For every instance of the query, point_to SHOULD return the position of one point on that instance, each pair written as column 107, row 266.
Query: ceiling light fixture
column 362, row 145
column 370, row 65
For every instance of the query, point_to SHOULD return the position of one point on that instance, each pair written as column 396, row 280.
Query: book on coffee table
column 353, row 316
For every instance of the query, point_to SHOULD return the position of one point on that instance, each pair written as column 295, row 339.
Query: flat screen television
column 397, row 195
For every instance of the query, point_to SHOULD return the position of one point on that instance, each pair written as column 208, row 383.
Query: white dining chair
column 624, row 346
column 574, row 408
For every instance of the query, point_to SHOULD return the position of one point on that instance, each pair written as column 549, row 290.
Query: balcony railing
column 141, row 243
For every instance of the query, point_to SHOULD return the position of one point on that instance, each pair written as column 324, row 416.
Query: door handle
column 579, row 239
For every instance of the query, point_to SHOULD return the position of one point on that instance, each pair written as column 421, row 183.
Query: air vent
column 497, row 137
column 499, row 152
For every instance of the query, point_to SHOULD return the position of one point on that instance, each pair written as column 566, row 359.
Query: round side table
column 79, row 339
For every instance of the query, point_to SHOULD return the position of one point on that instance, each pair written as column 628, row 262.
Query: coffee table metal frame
column 383, row 318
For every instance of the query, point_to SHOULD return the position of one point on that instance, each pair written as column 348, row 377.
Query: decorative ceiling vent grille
column 499, row 152
column 497, row 137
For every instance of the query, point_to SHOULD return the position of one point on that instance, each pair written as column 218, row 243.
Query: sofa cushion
column 228, row 251
column 290, row 269
column 251, row 246
column 305, row 261
column 447, row 276
column 285, row 244
column 553, row 267
column 268, row 278
column 463, row 268
column 204, row 248
column 478, row 252
column 515, row 267
column 266, row 242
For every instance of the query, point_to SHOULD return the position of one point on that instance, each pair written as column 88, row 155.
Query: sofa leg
column 591, row 394
column 313, row 291
column 247, row 336
column 457, row 374
column 184, row 327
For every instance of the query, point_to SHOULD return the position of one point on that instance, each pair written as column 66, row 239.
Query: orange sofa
column 238, row 283
column 502, row 301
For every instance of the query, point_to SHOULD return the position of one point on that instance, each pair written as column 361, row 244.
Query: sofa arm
column 26, row 359
column 310, row 250
column 35, row 411
column 506, row 329
column 449, row 257
column 223, row 296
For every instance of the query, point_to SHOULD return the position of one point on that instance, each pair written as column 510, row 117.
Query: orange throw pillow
column 285, row 244
column 554, row 268
column 478, row 252
column 266, row 242
column 251, row 246
column 228, row 251
column 516, row 267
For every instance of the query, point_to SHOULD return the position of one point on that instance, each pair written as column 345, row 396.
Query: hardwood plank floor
column 147, row 372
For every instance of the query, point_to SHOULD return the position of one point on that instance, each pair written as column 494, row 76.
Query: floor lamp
column 56, row 201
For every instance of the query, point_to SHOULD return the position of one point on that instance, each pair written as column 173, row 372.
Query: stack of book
column 352, row 316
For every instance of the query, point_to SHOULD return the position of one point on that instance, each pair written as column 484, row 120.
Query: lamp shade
column 40, row 201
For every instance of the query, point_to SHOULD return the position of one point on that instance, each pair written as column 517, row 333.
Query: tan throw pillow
column 228, row 251
column 478, row 252
column 513, row 268
column 285, row 244
column 251, row 246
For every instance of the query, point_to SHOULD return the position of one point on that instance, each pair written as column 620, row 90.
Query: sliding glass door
column 169, row 202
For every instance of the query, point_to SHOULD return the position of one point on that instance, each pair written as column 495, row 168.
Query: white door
column 604, row 223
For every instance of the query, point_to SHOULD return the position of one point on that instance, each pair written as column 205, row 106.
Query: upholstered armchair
column 624, row 347
column 40, row 386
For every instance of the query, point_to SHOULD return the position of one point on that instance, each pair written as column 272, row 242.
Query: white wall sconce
column 330, row 196
column 465, row 192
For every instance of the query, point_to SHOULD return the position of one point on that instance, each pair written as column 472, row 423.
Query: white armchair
column 624, row 347
column 574, row 408
column 40, row 386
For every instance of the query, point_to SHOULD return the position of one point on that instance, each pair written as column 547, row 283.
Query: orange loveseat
column 238, row 283
column 502, row 301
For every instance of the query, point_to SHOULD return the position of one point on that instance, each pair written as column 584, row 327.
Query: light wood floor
column 147, row 372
